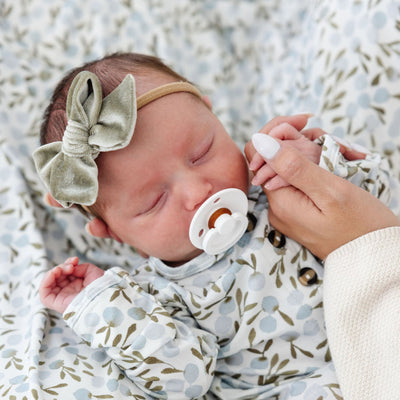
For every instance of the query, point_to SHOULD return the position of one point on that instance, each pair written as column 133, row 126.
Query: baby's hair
column 110, row 70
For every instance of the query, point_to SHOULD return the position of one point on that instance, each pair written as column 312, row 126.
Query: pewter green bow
column 94, row 124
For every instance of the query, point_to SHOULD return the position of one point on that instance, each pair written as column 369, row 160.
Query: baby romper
column 245, row 324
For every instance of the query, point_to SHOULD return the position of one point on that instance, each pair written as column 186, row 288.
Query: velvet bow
column 94, row 125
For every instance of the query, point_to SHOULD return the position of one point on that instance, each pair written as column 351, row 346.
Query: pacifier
column 220, row 221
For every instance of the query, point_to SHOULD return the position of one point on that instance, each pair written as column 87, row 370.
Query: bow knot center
column 76, row 141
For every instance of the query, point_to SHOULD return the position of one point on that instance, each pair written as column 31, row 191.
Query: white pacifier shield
column 227, row 228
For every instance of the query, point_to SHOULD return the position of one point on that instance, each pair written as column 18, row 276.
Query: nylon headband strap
column 164, row 90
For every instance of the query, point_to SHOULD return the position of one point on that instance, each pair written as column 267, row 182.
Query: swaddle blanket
column 255, row 59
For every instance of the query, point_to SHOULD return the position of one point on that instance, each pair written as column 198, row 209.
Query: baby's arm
column 64, row 282
column 152, row 338
column 371, row 173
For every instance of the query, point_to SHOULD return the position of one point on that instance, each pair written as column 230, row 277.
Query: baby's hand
column 63, row 283
column 302, row 142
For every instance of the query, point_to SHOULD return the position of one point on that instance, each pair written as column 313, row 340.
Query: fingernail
column 267, row 186
column 265, row 145
column 254, row 181
column 252, row 165
column 308, row 115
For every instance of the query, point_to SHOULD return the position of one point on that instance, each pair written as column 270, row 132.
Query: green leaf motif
column 116, row 340
column 152, row 360
column 328, row 163
column 252, row 336
column 286, row 318
column 170, row 370
column 197, row 354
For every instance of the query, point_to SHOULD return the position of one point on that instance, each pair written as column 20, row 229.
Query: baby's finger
column 297, row 121
column 313, row 133
column 285, row 131
column 262, row 175
column 67, row 268
column 72, row 260
column 81, row 270
column 351, row 151
column 49, row 279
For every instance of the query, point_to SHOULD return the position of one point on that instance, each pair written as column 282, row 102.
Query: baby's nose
column 195, row 191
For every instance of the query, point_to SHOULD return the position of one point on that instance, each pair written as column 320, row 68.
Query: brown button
column 307, row 276
column 276, row 239
column 252, row 222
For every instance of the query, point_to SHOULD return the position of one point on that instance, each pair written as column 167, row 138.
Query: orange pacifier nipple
column 220, row 221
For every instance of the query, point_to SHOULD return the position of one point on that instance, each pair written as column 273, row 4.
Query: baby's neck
column 173, row 264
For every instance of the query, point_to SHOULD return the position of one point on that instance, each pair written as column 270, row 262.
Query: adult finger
column 352, row 154
column 263, row 175
column 277, row 182
column 256, row 162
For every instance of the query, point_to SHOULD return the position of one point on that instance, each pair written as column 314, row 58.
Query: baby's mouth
column 220, row 221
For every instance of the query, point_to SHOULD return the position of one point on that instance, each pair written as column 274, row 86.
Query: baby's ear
column 207, row 101
column 49, row 199
column 98, row 228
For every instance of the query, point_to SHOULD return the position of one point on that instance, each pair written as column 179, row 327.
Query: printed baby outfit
column 246, row 324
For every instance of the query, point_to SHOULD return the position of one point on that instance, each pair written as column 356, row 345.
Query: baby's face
column 179, row 156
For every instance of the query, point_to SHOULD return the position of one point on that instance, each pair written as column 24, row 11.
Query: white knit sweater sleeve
column 362, row 306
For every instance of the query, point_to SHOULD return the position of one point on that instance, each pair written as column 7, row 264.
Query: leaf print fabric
column 242, row 333
column 255, row 59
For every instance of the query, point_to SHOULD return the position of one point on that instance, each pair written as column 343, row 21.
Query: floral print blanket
column 337, row 59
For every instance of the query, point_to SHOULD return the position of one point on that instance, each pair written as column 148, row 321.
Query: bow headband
column 67, row 168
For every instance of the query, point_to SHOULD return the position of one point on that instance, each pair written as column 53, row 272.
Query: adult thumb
column 293, row 167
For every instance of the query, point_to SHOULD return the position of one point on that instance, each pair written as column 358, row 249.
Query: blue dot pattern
column 246, row 329
column 338, row 59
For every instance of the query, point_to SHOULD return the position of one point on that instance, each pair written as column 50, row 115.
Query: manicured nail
column 265, row 145
column 308, row 115
column 252, row 165
column 255, row 181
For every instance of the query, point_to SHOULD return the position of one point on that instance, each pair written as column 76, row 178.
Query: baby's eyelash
column 154, row 204
column 203, row 152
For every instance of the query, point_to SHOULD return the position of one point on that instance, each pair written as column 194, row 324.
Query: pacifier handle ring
column 216, row 214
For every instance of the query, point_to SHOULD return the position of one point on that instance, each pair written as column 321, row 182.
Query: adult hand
column 320, row 210
column 291, row 128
